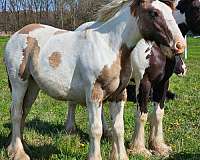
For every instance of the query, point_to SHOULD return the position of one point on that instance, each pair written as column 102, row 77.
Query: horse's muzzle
column 179, row 46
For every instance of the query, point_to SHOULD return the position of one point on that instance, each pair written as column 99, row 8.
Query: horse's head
column 191, row 8
column 180, row 67
column 156, row 23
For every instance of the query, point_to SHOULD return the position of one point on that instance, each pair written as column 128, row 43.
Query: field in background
column 47, row 139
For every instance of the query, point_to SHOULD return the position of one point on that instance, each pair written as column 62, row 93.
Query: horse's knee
column 96, row 130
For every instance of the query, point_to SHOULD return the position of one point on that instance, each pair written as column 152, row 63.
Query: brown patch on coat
column 30, row 28
column 60, row 32
column 97, row 94
column 55, row 59
column 113, row 80
column 32, row 47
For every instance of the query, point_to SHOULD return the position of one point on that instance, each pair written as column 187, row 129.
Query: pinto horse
column 147, row 61
column 151, row 72
column 70, row 66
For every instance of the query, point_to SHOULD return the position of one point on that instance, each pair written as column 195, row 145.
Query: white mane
column 110, row 9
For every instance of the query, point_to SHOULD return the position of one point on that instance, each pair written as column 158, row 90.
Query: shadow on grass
column 184, row 156
column 47, row 128
column 42, row 152
column 3, row 141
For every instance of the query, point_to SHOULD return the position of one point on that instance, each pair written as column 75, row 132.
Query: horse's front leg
column 156, row 139
column 70, row 125
column 116, row 111
column 94, row 105
column 138, row 141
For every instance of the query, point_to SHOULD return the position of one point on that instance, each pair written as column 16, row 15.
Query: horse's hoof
column 21, row 156
column 162, row 150
column 114, row 156
column 140, row 150
column 17, row 154
column 71, row 130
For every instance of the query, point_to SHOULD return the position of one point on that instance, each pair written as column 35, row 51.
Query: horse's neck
column 121, row 29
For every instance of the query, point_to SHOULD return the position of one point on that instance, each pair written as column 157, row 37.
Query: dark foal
column 152, row 75
column 179, row 70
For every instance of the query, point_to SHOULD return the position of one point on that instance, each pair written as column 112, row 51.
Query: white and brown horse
column 86, row 66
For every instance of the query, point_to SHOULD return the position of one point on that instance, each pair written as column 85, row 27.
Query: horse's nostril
column 179, row 47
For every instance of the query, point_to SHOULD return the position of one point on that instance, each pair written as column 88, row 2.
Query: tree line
column 65, row 14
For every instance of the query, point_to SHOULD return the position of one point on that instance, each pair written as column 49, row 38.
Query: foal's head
column 180, row 67
column 156, row 23
column 191, row 8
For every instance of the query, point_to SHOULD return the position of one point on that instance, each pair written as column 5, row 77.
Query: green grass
column 47, row 139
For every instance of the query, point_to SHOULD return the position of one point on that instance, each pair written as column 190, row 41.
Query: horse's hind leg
column 70, row 125
column 106, row 132
column 15, row 149
column 29, row 98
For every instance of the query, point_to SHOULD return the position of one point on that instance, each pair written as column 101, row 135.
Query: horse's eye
column 153, row 14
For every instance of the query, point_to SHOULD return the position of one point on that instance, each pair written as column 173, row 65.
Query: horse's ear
column 134, row 6
column 138, row 3
column 144, row 3
column 182, row 5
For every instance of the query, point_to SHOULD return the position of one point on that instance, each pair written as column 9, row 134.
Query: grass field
column 47, row 139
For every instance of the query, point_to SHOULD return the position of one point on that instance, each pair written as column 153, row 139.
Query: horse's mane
column 109, row 10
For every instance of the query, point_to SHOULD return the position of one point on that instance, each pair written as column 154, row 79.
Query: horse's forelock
column 137, row 3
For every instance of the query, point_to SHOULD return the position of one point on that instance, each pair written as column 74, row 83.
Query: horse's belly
column 63, row 90
column 62, row 82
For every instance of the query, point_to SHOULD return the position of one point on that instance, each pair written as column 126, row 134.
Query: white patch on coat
column 139, row 61
column 139, row 141
column 184, row 67
column 157, row 118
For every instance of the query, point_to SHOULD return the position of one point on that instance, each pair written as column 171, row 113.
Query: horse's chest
column 113, row 80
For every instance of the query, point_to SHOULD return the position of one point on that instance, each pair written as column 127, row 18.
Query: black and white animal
column 187, row 15
column 151, row 73
column 179, row 69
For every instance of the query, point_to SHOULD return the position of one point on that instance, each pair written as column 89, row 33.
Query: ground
column 47, row 139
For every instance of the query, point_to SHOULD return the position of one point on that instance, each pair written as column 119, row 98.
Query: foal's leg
column 138, row 141
column 116, row 112
column 70, row 125
column 156, row 139
column 15, row 149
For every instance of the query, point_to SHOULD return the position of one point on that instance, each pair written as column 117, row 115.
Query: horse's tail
column 9, row 85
